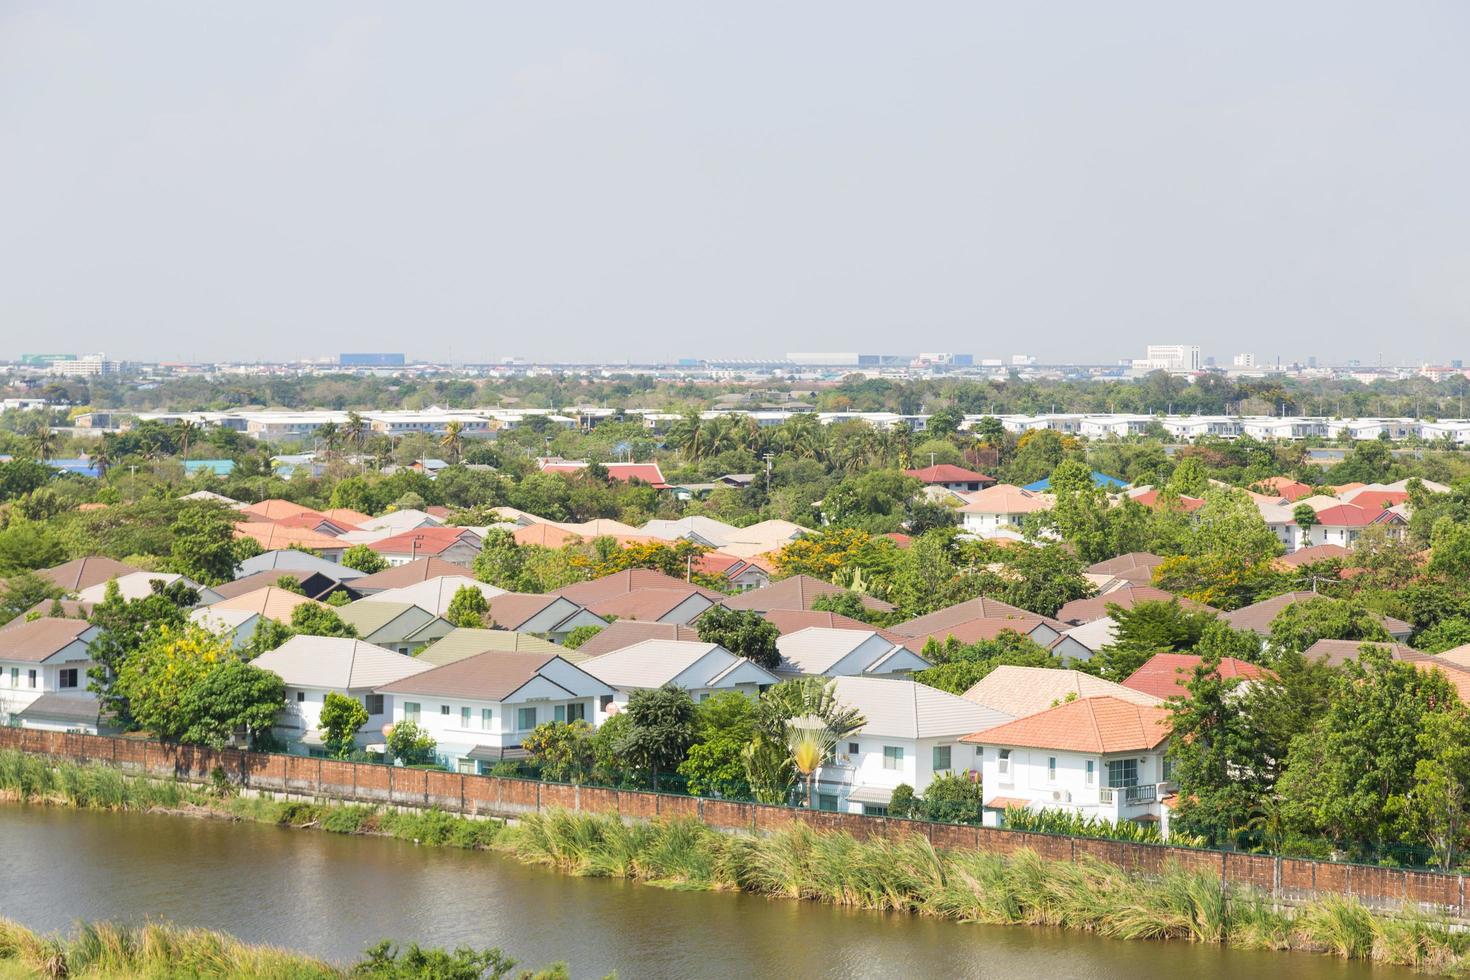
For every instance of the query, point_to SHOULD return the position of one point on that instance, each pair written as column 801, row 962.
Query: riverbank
column 908, row 876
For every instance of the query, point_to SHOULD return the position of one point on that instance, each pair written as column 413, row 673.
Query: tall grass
column 910, row 875
column 28, row 777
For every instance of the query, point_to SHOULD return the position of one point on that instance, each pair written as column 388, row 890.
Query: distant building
column 1172, row 357
column 1244, row 360
column 370, row 360
column 86, row 366
column 44, row 360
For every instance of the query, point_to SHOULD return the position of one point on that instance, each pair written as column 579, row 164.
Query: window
column 607, row 699
column 1003, row 764
column 525, row 719
column 30, row 678
column 15, row 677
column 874, row 811
column 892, row 757
column 411, row 711
column 466, row 766
column 1122, row 773
column 827, row 801
column 941, row 758
column 852, row 748
column 444, row 710
column 300, row 696
column 1051, row 768
column 373, row 703
column 1168, row 770
column 980, row 752
column 486, row 716
column 67, row 678
column 464, row 717
column 1091, row 773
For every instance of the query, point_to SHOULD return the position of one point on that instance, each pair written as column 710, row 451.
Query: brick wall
column 1287, row 879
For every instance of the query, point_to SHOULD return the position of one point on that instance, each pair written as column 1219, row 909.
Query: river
column 333, row 896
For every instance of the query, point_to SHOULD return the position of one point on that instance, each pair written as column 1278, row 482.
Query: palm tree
column 185, row 429
column 801, row 436
column 354, row 429
column 330, row 436
column 689, row 435
column 452, row 441
column 105, row 455
column 43, row 441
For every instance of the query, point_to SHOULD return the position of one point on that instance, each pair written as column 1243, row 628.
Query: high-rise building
column 1173, row 357
column 1244, row 360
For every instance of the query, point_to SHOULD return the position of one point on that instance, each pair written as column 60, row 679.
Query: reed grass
column 33, row 778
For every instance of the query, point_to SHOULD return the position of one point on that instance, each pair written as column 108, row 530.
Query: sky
column 607, row 181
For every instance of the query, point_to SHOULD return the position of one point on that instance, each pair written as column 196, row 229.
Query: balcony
column 1129, row 795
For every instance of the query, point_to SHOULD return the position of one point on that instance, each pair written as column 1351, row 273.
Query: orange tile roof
column 347, row 514
column 1164, row 675
column 275, row 509
column 543, row 535
column 275, row 537
column 1100, row 724
column 1080, row 611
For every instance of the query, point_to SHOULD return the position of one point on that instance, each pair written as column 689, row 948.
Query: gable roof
column 1313, row 553
column 83, row 573
column 647, row 604
column 434, row 594
column 948, row 473
column 975, row 630
column 1258, row 616
column 346, row 515
column 510, row 610
column 425, row 541
column 817, row 649
column 543, row 535
column 1080, row 611
column 398, row 521
column 462, row 642
column 369, row 616
column 654, row 663
column 621, row 583
column 796, row 592
column 337, row 663
column 1122, row 564
column 276, row 508
column 314, row 584
column 1167, row 675
column 491, row 676
column 628, row 632
column 794, row 620
column 1338, row 652
column 288, row 560
column 272, row 602
column 272, row 537
column 1004, row 498
column 1097, row 724
column 1024, row 691
column 907, row 709
column 407, row 574
column 39, row 639
column 981, row 607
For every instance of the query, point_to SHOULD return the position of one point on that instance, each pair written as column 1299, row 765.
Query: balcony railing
column 1129, row 795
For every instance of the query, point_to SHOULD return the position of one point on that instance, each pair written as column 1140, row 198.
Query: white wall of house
column 303, row 712
column 884, row 762
column 22, row 682
column 458, row 725
column 1074, row 781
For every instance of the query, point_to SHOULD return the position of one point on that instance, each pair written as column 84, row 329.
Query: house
column 320, row 523
column 46, row 657
column 478, row 709
column 278, row 537
column 819, row 651
column 1284, row 487
column 399, row 626
column 697, row 528
column 276, row 509
column 1083, row 642
column 742, row 574
column 1335, row 653
column 289, row 561
column 553, row 616
column 981, row 607
column 1099, row 479
column 910, row 735
column 1136, row 567
column 271, row 602
column 399, row 522
column 626, row 472
column 794, row 620
column 462, row 642
column 1097, row 757
column 346, row 515
column 404, row 575
column 314, row 585
column 82, row 573
column 1080, row 611
column 629, row 580
column 236, row 625
column 627, row 632
column 1310, row 555
column 1000, row 510
column 1344, row 524
column 456, row 545
column 435, row 594
column 314, row 666
column 140, row 585
column 654, row 605
column 1167, row 675
column 951, row 477
column 796, row 592
column 1259, row 616
column 984, row 628
column 1024, row 691
column 702, row 669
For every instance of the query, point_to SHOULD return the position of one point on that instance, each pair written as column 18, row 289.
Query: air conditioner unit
column 1056, row 795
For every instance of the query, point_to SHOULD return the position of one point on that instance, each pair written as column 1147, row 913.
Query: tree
column 27, row 546
column 1439, row 802
column 1225, row 558
column 723, row 726
column 660, row 729
column 1146, row 629
column 315, row 619
column 364, row 559
column 960, row 666
column 1190, row 478
column 341, row 718
column 126, row 625
column 1304, row 517
column 1301, row 624
column 290, row 583
column 743, row 632
column 953, row 798
column 411, row 745
column 845, row 603
column 233, row 698
column 452, row 441
column 769, row 757
column 562, row 750
column 500, row 562
column 467, row 608
column 24, row 591
column 203, row 539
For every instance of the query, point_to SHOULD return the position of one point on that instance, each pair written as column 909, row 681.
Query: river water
column 333, row 896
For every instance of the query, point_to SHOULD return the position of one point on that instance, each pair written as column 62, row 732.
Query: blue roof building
column 1098, row 479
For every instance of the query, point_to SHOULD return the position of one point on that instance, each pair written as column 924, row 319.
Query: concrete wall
column 1287, row 879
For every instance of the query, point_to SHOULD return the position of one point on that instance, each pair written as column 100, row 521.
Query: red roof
column 1379, row 499
column 1166, row 675
column 647, row 472
column 1285, row 486
column 1352, row 515
column 1095, row 725
column 1150, row 498
column 948, row 473
column 421, row 541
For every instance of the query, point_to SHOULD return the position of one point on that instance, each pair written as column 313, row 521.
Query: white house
column 999, row 511
column 1195, row 426
column 46, row 658
column 434, row 594
column 831, row 652
column 236, row 625
column 478, row 709
column 1103, row 426
column 139, row 585
column 702, row 669
column 910, row 734
column 1097, row 757
column 400, row 626
column 313, row 666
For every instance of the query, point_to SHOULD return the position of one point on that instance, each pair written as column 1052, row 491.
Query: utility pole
column 768, row 457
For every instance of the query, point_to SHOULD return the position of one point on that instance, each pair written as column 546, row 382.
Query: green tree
column 468, row 607
column 500, row 561
column 660, row 730
column 960, row 667
column 231, row 700
column 23, row 591
column 1146, row 629
column 290, row 583
column 581, row 635
column 411, row 745
column 563, row 751
column 953, row 798
column 1304, row 517
column 125, row 626
column 1226, row 556
column 1301, row 624
column 27, row 546
column 770, row 758
column 1190, row 478
column 743, row 632
column 341, row 719
column 364, row 559
column 203, row 544
column 723, row 726
column 1040, row 579
column 314, row 619
column 1439, row 801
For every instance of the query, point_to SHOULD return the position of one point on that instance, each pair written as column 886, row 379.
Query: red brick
column 482, row 794
column 373, row 782
column 771, row 818
column 1432, row 888
column 954, row 837
column 444, row 790
column 637, row 804
column 518, row 796
column 724, row 815
column 338, row 778
column 678, row 807
column 596, row 799
column 409, row 786
column 1297, row 877
column 1332, row 878
column 302, row 774
column 558, row 796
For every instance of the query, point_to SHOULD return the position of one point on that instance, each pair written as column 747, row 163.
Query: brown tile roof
column 1130, row 562
column 795, row 620
column 411, row 573
column 1101, row 725
column 948, row 473
column 796, row 592
column 1006, row 803
column 1338, row 652
column 275, row 509
column 271, row 602
column 974, row 630
column 491, row 676
column 274, row 537
column 316, row 584
column 1080, row 611
column 981, row 607
column 645, row 604
column 348, row 515
column 627, row 632
column 621, row 583
column 543, row 535
column 510, row 610
column 1317, row 552
column 427, row 541
column 38, row 639
column 1165, row 675
column 1258, row 616
column 83, row 573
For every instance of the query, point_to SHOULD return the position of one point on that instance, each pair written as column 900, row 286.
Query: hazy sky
column 629, row 180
